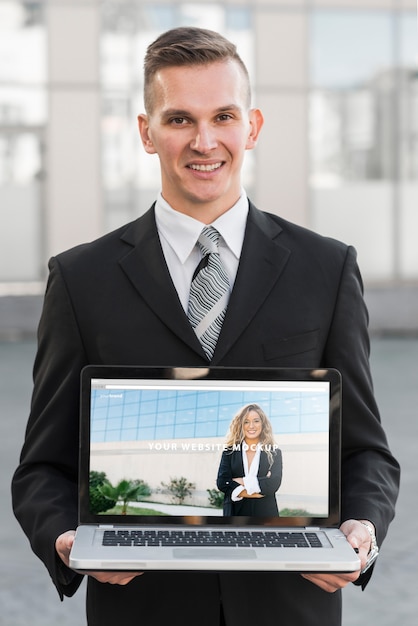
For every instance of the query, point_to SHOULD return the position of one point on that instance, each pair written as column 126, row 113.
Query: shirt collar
column 182, row 231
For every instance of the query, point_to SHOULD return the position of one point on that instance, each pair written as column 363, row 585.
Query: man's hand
column 63, row 547
column 359, row 537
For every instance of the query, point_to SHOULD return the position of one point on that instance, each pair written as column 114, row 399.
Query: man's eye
column 225, row 117
column 178, row 121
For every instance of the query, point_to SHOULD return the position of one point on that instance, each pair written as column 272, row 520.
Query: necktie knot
column 208, row 240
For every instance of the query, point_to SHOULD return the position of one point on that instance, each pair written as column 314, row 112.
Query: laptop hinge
column 312, row 528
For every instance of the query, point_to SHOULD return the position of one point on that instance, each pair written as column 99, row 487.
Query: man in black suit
column 295, row 300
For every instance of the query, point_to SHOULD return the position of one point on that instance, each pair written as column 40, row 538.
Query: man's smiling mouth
column 205, row 168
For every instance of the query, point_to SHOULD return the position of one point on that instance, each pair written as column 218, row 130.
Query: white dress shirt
column 179, row 233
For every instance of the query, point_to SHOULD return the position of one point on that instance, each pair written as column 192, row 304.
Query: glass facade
column 351, row 98
column 363, row 136
column 132, row 415
column 339, row 151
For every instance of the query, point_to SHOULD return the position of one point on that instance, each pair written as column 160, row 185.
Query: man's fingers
column 63, row 545
column 331, row 582
column 114, row 578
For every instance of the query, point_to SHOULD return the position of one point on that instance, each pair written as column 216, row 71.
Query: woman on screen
column 250, row 471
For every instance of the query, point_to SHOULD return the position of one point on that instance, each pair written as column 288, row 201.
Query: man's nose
column 204, row 140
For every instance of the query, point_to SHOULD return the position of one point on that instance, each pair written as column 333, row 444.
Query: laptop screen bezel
column 217, row 373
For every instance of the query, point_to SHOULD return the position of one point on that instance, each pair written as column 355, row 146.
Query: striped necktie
column 209, row 292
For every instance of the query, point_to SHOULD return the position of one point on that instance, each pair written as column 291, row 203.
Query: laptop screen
column 163, row 444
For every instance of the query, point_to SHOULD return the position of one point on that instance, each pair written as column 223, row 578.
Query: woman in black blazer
column 250, row 471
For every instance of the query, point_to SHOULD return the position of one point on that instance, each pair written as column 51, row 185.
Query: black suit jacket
column 297, row 301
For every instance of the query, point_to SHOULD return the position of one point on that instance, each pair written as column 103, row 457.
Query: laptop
column 151, row 444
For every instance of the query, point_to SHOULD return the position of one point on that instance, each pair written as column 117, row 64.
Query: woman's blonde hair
column 235, row 434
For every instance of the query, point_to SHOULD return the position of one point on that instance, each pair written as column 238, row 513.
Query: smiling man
column 202, row 277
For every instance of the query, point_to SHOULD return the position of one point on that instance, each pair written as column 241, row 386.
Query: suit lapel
column 147, row 270
column 262, row 262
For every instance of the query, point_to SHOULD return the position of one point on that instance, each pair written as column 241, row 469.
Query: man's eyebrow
column 175, row 113
column 229, row 107
column 170, row 113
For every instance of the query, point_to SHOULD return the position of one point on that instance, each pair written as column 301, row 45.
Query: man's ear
column 143, row 127
column 256, row 123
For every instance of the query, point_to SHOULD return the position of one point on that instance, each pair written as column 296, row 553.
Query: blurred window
column 22, row 63
column 408, row 108
column 351, row 102
column 22, row 118
column 364, row 98
column 364, row 136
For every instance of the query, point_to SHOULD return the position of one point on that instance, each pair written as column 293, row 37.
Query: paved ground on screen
column 28, row 597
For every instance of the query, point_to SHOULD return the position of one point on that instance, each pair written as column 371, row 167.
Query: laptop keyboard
column 230, row 538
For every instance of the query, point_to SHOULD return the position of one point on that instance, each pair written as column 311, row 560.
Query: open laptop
column 163, row 431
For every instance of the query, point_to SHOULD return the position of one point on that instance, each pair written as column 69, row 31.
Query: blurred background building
column 338, row 84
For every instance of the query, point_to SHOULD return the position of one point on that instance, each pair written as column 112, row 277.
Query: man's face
column 200, row 127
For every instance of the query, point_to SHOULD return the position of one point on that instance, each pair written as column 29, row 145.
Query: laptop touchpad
column 232, row 554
